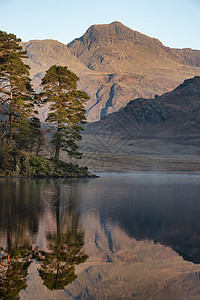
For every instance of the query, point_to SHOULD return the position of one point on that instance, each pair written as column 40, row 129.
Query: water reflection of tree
column 13, row 279
column 21, row 201
column 21, row 207
column 15, row 257
column 65, row 245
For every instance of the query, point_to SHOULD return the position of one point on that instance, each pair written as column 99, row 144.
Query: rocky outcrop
column 146, row 111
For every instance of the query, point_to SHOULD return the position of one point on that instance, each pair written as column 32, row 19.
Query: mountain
column 117, row 48
column 43, row 54
column 143, row 66
column 164, row 125
column 115, row 64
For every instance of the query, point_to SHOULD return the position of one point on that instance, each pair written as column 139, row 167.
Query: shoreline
column 21, row 164
column 124, row 163
column 48, row 177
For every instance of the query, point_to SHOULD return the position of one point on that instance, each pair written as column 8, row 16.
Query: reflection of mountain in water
column 130, row 269
column 160, row 208
column 164, row 210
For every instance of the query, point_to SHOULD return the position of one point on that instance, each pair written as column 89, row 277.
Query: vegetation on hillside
column 20, row 163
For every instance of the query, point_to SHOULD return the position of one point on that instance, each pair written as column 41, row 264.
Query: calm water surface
column 115, row 237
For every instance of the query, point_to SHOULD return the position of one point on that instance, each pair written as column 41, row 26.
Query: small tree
column 66, row 108
column 15, row 89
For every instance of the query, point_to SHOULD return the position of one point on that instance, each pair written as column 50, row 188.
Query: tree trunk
column 57, row 152
column 10, row 146
column 8, row 260
column 11, row 132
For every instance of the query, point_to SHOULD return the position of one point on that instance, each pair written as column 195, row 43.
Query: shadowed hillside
column 165, row 128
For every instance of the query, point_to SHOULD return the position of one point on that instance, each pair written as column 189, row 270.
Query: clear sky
column 176, row 23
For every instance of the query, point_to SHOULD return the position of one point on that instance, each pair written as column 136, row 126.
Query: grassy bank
column 109, row 162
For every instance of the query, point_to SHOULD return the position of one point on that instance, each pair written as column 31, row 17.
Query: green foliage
column 29, row 134
column 15, row 87
column 21, row 163
column 12, row 68
column 58, row 280
column 66, row 108
column 14, row 280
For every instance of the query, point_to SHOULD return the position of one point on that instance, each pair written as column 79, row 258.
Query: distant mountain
column 43, row 54
column 115, row 64
column 117, row 48
column 167, row 125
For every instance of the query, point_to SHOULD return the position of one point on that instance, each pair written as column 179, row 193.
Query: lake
column 120, row 236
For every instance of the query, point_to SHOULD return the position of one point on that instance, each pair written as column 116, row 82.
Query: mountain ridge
column 166, row 125
column 98, row 36
column 115, row 64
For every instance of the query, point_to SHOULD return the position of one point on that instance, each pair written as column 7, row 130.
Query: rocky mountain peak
column 192, row 82
column 190, row 86
column 46, row 48
column 109, row 34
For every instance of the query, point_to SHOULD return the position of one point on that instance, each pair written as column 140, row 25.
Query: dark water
column 115, row 237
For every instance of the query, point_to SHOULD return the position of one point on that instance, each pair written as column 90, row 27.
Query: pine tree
column 28, row 137
column 66, row 108
column 16, row 93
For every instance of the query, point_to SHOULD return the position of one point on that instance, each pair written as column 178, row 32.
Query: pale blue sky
column 176, row 23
